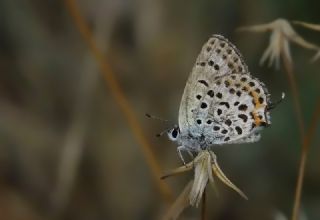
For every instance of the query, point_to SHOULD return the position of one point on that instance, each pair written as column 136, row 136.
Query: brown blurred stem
column 119, row 97
column 305, row 138
column 203, row 206
column 304, row 152
column 295, row 94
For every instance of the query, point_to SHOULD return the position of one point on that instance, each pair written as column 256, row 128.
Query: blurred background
column 66, row 150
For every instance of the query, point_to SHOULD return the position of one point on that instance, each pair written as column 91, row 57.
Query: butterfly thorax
column 194, row 142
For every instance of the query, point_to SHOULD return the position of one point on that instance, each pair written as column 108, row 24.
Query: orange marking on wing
column 245, row 88
column 257, row 105
column 257, row 120
column 255, row 96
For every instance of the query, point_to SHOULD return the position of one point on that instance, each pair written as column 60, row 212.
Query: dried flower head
column 204, row 165
column 282, row 34
column 315, row 27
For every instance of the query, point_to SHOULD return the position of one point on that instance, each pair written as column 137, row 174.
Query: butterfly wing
column 237, row 110
column 213, row 86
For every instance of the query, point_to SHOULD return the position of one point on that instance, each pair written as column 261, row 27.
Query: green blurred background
column 66, row 151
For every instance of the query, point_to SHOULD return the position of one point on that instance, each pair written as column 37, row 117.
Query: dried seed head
column 282, row 33
column 202, row 170
column 205, row 165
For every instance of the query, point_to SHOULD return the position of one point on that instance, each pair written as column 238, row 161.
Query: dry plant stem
column 304, row 153
column 305, row 137
column 315, row 27
column 294, row 89
column 304, row 150
column 72, row 148
column 203, row 206
column 218, row 172
column 180, row 204
column 178, row 170
column 119, row 97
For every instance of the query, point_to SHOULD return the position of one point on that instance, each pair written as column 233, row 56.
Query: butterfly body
column 222, row 103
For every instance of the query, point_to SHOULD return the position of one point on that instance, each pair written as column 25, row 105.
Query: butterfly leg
column 190, row 154
column 180, row 149
column 183, row 148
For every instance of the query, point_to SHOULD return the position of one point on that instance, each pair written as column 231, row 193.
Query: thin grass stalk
column 304, row 153
column 303, row 156
column 295, row 94
column 203, row 206
column 119, row 97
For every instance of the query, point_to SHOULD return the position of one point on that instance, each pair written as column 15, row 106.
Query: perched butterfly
column 222, row 103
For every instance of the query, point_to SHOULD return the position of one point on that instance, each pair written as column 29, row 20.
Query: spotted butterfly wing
column 222, row 102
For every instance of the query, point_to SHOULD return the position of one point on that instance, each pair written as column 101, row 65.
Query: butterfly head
column 174, row 133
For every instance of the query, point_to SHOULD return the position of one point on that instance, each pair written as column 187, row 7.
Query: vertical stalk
column 203, row 206
column 304, row 152
column 303, row 156
column 120, row 98
column 295, row 94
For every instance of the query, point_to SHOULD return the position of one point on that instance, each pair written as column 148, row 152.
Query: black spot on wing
column 204, row 105
column 252, row 84
column 261, row 100
column 243, row 79
column 228, row 122
column 239, row 130
column 225, row 103
column 216, row 128
column 224, row 131
column 243, row 107
column 203, row 82
column 227, row 139
column 210, row 93
column 243, row 117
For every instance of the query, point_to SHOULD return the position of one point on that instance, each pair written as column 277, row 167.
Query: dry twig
column 304, row 153
column 119, row 97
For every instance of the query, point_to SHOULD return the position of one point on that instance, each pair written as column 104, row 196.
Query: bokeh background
column 66, row 149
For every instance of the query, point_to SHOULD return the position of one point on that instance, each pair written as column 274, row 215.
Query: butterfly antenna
column 157, row 118
column 272, row 105
column 162, row 120
column 162, row 132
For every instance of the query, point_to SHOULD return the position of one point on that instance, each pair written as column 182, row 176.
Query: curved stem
column 304, row 152
column 119, row 97
column 295, row 94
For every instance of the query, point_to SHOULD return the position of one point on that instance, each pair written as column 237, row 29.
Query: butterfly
column 221, row 103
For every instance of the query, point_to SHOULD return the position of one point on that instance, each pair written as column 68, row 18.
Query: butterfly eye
column 173, row 134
